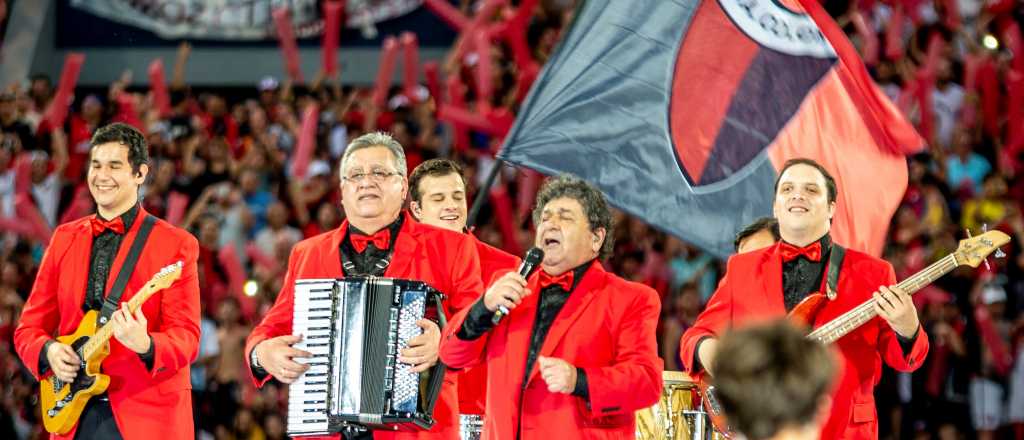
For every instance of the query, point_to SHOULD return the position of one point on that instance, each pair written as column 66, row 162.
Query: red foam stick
column 457, row 99
column 935, row 47
column 228, row 258
column 484, row 70
column 332, row 34
column 26, row 211
column 926, row 82
column 998, row 7
column 81, row 205
column 894, row 35
column 868, row 37
column 410, row 64
column 388, row 53
column 286, row 39
column 57, row 112
column 1012, row 40
column 448, row 13
column 263, row 260
column 306, row 142
column 952, row 16
column 158, row 83
column 452, row 114
column 23, row 173
column 503, row 213
column 177, row 204
column 990, row 95
column 527, row 74
column 1015, row 107
column 526, row 194
column 969, row 112
column 18, row 226
column 430, row 71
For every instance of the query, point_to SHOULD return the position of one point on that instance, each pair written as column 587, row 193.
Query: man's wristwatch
column 254, row 360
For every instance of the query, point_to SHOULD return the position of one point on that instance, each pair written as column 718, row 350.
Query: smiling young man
column 438, row 194
column 377, row 238
column 576, row 355
column 769, row 282
column 151, row 350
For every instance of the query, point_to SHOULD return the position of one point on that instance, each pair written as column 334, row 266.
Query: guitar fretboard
column 849, row 321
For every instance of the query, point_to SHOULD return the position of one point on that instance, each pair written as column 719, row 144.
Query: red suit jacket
column 607, row 328
column 473, row 381
column 751, row 291
column 144, row 402
column 446, row 260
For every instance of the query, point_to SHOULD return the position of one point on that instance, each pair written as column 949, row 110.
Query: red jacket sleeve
column 464, row 276
column 633, row 381
column 40, row 317
column 278, row 320
column 715, row 318
column 176, row 339
column 456, row 353
column 888, row 341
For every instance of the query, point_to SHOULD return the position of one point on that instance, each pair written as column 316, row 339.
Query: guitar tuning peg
column 987, row 267
column 984, row 227
column 999, row 253
column 968, row 232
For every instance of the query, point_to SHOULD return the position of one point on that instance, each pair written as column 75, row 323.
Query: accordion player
column 355, row 328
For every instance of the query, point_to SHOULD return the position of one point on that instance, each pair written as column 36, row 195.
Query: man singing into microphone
column 576, row 355
column 438, row 194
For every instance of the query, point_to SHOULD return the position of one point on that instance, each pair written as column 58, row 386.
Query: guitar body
column 62, row 403
column 806, row 311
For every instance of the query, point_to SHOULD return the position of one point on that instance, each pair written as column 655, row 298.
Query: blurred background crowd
column 221, row 169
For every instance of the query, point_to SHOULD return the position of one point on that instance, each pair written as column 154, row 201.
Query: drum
column 677, row 415
column 471, row 426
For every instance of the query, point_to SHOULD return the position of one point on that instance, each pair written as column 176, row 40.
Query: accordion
column 355, row 329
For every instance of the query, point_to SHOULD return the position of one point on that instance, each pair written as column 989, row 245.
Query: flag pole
column 482, row 194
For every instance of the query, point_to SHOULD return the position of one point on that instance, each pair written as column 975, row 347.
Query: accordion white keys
column 355, row 328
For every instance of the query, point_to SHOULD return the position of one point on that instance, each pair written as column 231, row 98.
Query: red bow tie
column 99, row 225
column 564, row 280
column 811, row 252
column 381, row 240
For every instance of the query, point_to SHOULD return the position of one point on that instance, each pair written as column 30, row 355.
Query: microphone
column 530, row 263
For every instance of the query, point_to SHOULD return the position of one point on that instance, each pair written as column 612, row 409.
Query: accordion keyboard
column 314, row 306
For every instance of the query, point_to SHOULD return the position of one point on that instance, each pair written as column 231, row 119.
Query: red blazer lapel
column 330, row 258
column 76, row 267
column 408, row 250
column 122, row 254
column 586, row 291
column 770, row 272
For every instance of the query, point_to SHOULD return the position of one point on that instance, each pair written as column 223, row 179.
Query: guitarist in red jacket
column 438, row 194
column 767, row 283
column 151, row 350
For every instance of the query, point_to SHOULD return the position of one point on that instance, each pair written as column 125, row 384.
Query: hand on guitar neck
column 897, row 308
column 130, row 330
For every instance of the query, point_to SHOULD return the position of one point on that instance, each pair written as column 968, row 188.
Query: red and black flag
column 682, row 111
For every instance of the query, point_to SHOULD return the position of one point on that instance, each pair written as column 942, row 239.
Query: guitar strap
column 114, row 295
column 835, row 261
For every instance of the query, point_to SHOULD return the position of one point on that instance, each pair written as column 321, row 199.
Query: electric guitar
column 62, row 402
column 971, row 252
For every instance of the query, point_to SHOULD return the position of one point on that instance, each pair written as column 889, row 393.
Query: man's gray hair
column 595, row 208
column 376, row 139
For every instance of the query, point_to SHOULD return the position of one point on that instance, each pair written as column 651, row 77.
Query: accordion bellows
column 355, row 328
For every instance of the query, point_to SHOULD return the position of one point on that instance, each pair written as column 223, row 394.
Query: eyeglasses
column 375, row 175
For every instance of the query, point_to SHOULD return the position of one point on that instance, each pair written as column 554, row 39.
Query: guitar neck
column 849, row 321
column 103, row 335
